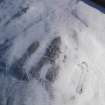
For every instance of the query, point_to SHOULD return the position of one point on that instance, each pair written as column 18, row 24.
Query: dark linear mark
column 17, row 15
column 37, row 20
column 76, row 16
column 33, row 47
column 16, row 69
column 51, row 54
column 20, row 13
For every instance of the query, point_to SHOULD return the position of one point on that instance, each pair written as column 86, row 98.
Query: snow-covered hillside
column 52, row 52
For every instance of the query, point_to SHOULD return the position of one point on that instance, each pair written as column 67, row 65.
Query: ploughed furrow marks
column 3, row 50
column 17, row 69
column 19, row 13
column 50, row 56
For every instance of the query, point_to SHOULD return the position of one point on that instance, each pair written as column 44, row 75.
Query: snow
column 79, row 26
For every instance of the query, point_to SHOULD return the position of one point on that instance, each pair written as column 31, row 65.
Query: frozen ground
column 52, row 52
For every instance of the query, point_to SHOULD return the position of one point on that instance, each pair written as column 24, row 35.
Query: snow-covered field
column 52, row 52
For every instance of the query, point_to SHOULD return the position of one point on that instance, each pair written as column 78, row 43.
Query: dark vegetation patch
column 16, row 69
column 50, row 56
